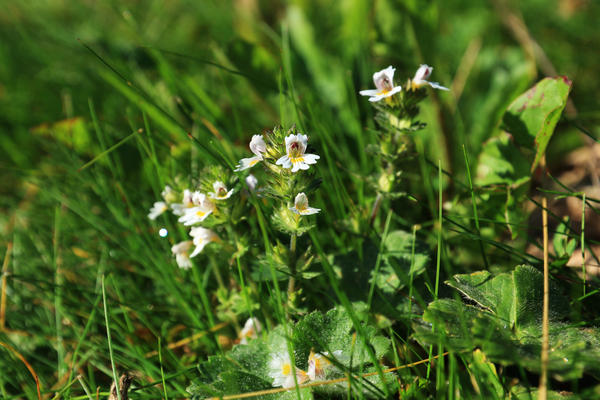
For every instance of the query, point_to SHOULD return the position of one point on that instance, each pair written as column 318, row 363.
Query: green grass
column 103, row 104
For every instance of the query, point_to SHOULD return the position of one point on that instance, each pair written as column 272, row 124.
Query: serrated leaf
column 334, row 331
column 529, row 293
column 494, row 293
column 246, row 367
column 574, row 350
column 532, row 117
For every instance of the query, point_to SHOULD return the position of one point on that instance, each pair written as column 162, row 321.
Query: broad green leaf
column 399, row 262
column 520, row 392
column 334, row 331
column 494, row 293
column 515, row 297
column 529, row 292
column 246, row 367
column 460, row 326
column 502, row 163
column 532, row 117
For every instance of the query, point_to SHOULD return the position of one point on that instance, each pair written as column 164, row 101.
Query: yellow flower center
column 414, row 85
column 200, row 214
column 296, row 159
column 286, row 369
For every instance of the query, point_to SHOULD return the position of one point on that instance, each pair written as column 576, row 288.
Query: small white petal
column 422, row 73
column 368, row 92
column 311, row 158
column 384, row 79
column 258, row 145
column 202, row 237
column 302, row 139
column 310, row 211
column 251, row 182
column 194, row 215
column 394, row 91
column 246, row 163
column 284, row 162
column 157, row 209
column 376, row 98
column 181, row 251
column 280, row 370
column 436, row 85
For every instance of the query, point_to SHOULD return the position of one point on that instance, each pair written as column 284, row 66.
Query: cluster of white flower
column 384, row 83
column 280, row 368
column 295, row 158
column 194, row 208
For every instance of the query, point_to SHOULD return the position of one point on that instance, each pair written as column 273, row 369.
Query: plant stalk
column 543, row 394
column 292, row 281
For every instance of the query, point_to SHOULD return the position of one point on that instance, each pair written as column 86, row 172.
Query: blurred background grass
column 77, row 77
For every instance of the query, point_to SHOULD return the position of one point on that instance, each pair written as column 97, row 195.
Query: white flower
column 220, row 191
column 420, row 78
column 257, row 146
column 251, row 329
column 318, row 363
column 301, row 206
column 251, row 182
column 158, row 208
column 202, row 237
column 168, row 194
column 201, row 209
column 384, row 82
column 295, row 146
column 179, row 208
column 280, row 369
column 182, row 254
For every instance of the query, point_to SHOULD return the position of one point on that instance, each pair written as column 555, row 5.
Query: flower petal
column 422, row 73
column 369, row 92
column 311, row 158
column 310, row 211
column 284, row 162
column 246, row 163
column 258, row 145
column 436, row 85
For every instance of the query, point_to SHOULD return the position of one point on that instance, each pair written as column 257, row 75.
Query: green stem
column 583, row 242
column 217, row 273
column 292, row 281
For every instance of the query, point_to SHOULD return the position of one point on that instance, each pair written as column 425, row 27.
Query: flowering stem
column 292, row 281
